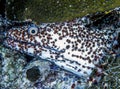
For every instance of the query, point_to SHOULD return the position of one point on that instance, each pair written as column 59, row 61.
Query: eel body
column 70, row 45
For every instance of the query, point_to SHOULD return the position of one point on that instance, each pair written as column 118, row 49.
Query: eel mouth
column 17, row 44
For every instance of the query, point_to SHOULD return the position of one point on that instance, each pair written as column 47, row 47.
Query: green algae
column 56, row 10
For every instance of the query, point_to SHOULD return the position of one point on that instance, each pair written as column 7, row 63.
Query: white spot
column 57, row 1
column 30, row 50
column 17, row 47
column 115, row 42
column 45, row 54
column 37, row 38
column 70, row 5
column 37, row 47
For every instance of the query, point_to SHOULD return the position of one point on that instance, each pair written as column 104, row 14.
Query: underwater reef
column 21, row 71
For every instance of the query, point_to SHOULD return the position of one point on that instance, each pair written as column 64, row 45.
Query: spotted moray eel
column 71, row 45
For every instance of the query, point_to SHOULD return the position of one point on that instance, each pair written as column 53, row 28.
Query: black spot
column 83, row 51
column 51, row 56
column 55, row 39
column 92, row 56
column 68, row 41
column 89, row 52
column 73, row 55
column 60, row 38
column 62, row 56
column 63, row 60
column 82, row 46
column 68, row 46
column 79, row 81
column 71, row 62
column 88, row 67
column 68, row 52
column 76, row 48
column 84, row 58
column 89, row 61
column 79, row 70
column 85, row 72
column 79, row 41
column 77, row 63
column 83, row 66
column 73, row 46
column 88, row 58
column 75, row 67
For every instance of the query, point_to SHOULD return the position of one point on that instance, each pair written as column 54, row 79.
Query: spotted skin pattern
column 70, row 45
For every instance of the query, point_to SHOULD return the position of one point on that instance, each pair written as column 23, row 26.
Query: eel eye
column 33, row 30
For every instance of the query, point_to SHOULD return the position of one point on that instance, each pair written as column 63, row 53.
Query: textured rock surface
column 14, row 73
column 14, row 66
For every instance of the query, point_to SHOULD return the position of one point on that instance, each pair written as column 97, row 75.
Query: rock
column 33, row 74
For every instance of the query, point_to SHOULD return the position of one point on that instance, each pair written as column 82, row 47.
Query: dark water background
column 2, row 7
